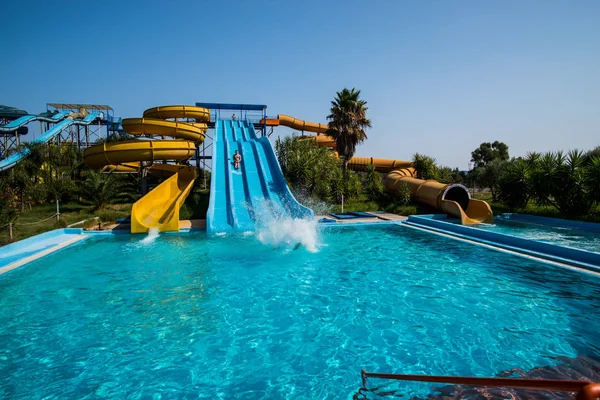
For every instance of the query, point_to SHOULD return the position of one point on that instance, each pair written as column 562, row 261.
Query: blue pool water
column 561, row 236
column 185, row 316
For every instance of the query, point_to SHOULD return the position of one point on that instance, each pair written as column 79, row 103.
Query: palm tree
column 514, row 186
column 347, row 122
column 560, row 180
column 592, row 176
column 23, row 178
column 102, row 189
column 8, row 209
column 373, row 183
column 425, row 166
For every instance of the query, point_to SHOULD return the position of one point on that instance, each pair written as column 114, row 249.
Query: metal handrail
column 585, row 390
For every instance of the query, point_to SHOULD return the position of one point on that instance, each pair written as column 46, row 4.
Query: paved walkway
column 380, row 217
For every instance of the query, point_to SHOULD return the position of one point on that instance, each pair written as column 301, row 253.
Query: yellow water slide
column 452, row 199
column 160, row 207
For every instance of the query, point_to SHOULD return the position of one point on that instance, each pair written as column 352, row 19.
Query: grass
column 386, row 203
column 28, row 223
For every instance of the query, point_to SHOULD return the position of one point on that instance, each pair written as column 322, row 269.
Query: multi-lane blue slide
column 238, row 198
column 10, row 161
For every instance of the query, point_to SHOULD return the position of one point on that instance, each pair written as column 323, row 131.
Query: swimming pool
column 556, row 235
column 184, row 316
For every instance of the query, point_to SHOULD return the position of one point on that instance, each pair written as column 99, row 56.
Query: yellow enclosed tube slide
column 324, row 140
column 298, row 124
column 452, row 199
column 160, row 207
column 380, row 164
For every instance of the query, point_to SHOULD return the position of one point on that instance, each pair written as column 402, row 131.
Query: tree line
column 52, row 173
column 567, row 181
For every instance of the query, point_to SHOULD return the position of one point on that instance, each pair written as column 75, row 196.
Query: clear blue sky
column 440, row 77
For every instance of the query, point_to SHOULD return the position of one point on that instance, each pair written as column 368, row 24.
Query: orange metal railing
column 585, row 390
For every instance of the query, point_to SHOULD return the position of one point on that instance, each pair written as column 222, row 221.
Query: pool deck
column 379, row 217
column 28, row 249
column 187, row 224
column 184, row 225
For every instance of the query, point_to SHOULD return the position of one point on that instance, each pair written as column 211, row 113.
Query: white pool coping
column 40, row 254
column 504, row 250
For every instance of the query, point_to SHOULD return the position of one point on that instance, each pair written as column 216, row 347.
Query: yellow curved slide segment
column 451, row 199
column 186, row 112
column 160, row 207
column 159, row 127
column 115, row 153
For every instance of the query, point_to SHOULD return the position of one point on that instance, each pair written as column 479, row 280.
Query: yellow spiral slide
column 451, row 199
column 160, row 207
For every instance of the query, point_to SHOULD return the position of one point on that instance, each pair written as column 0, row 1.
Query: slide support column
column 143, row 178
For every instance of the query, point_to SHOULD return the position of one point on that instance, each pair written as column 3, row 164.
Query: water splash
column 152, row 236
column 292, row 233
column 274, row 227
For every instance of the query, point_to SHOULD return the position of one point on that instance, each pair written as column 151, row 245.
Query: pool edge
column 43, row 253
column 565, row 257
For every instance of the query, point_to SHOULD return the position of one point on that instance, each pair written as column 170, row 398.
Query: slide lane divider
column 210, row 216
column 231, row 214
column 247, row 194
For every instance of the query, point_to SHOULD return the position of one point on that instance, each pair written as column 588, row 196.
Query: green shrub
column 185, row 212
column 61, row 223
column 309, row 169
column 373, row 183
column 560, row 181
column 513, row 185
column 425, row 166
column 109, row 215
column 403, row 194
column 8, row 205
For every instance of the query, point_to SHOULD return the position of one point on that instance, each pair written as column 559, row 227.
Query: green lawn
column 27, row 223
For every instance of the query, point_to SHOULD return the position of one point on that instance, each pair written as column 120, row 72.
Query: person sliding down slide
column 237, row 159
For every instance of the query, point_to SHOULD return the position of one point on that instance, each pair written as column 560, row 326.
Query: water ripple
column 193, row 317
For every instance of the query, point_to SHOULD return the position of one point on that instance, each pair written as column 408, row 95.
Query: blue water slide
column 274, row 179
column 238, row 197
column 12, row 160
column 24, row 120
column 219, row 216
